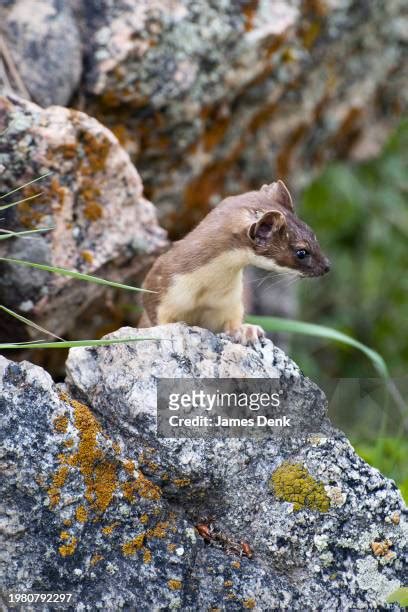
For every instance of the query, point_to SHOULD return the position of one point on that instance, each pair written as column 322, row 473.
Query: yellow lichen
column 228, row 583
column 235, row 564
column 158, row 531
column 87, row 256
column 58, row 480
column 67, row 522
column 108, row 529
column 249, row 604
column 181, row 482
column 171, row 547
column 81, row 514
column 292, row 482
column 147, row 555
column 99, row 475
column 142, row 486
column 61, row 423
column 96, row 558
column 144, row 518
column 66, row 550
column 174, row 584
column 132, row 546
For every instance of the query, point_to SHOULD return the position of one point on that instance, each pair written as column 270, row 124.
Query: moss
column 68, row 549
column 132, row 546
column 292, row 482
column 174, row 585
column 81, row 514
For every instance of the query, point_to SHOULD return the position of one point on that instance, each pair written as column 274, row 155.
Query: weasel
column 199, row 280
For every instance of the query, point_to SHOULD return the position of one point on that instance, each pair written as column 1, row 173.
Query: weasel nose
column 326, row 266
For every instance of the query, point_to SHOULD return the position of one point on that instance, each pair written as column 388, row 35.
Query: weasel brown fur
column 199, row 280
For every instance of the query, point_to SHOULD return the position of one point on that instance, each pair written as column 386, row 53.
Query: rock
column 43, row 43
column 94, row 201
column 212, row 100
column 97, row 505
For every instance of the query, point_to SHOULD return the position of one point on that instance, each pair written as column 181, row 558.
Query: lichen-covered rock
column 93, row 199
column 97, row 505
column 214, row 98
column 43, row 43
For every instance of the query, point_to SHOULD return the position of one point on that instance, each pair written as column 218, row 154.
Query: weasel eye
column 301, row 253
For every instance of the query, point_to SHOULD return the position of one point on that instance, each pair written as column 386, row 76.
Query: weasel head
column 278, row 239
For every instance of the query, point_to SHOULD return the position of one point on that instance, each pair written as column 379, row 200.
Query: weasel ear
column 280, row 194
column 270, row 223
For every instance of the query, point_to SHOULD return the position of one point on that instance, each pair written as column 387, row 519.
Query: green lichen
column 292, row 482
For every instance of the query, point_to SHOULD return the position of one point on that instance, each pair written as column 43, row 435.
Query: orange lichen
column 99, row 474
column 144, row 519
column 158, row 531
column 142, row 486
column 67, row 522
column 228, row 583
column 108, row 529
column 249, row 604
column 129, row 466
column 181, row 482
column 81, row 514
column 93, row 210
column 380, row 549
column 285, row 155
column 132, row 546
column 61, row 423
column 249, row 10
column 236, row 564
column 87, row 256
column 174, row 584
column 96, row 150
column 69, row 443
column 58, row 480
column 147, row 555
column 66, row 550
column 171, row 547
column 96, row 558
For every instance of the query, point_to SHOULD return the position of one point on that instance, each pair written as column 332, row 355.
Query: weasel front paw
column 247, row 334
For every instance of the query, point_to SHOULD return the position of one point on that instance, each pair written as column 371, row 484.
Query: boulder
column 214, row 99
column 93, row 199
column 40, row 50
column 95, row 504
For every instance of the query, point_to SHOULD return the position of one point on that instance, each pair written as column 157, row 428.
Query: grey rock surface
column 95, row 504
column 93, row 199
column 43, row 43
column 215, row 98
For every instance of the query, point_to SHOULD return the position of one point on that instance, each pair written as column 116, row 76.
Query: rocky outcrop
column 94, row 503
column 93, row 199
column 212, row 99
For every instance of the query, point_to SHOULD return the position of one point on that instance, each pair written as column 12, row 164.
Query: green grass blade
column 28, row 322
column 25, row 185
column 319, row 331
column 10, row 234
column 73, row 274
column 68, row 344
column 36, row 195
